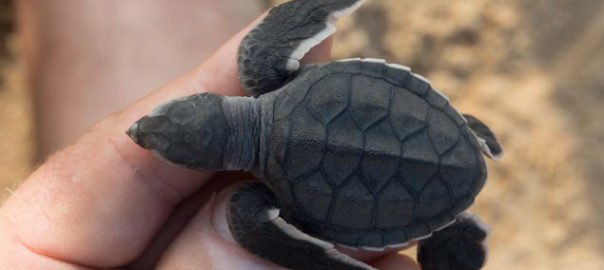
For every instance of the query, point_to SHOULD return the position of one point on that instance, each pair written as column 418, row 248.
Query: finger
column 206, row 243
column 202, row 246
column 100, row 202
column 181, row 216
column 396, row 261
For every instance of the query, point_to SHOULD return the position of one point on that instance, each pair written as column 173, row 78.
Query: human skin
column 104, row 202
column 89, row 58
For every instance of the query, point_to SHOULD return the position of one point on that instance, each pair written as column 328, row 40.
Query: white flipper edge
column 329, row 248
column 293, row 63
column 487, row 151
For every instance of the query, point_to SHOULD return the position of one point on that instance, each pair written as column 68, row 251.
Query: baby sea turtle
column 357, row 153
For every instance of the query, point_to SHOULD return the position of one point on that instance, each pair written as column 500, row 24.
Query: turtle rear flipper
column 489, row 143
column 253, row 218
column 269, row 55
column 460, row 246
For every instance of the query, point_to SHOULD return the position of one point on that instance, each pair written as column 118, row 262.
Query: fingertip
column 219, row 73
column 396, row 261
column 320, row 53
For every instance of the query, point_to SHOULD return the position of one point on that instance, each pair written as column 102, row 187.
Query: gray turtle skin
column 354, row 153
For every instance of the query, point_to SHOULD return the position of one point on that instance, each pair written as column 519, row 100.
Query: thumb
column 207, row 241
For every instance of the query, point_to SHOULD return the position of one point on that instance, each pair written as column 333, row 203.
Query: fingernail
column 219, row 220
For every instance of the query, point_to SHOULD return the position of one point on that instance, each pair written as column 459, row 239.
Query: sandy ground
column 531, row 69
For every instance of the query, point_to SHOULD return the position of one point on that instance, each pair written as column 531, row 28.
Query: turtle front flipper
column 460, row 246
column 269, row 55
column 253, row 218
column 489, row 143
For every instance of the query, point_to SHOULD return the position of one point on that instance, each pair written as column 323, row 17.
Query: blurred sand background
column 533, row 70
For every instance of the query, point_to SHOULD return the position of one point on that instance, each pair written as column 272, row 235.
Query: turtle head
column 190, row 131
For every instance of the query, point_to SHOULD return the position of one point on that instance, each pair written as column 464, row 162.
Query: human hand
column 104, row 202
